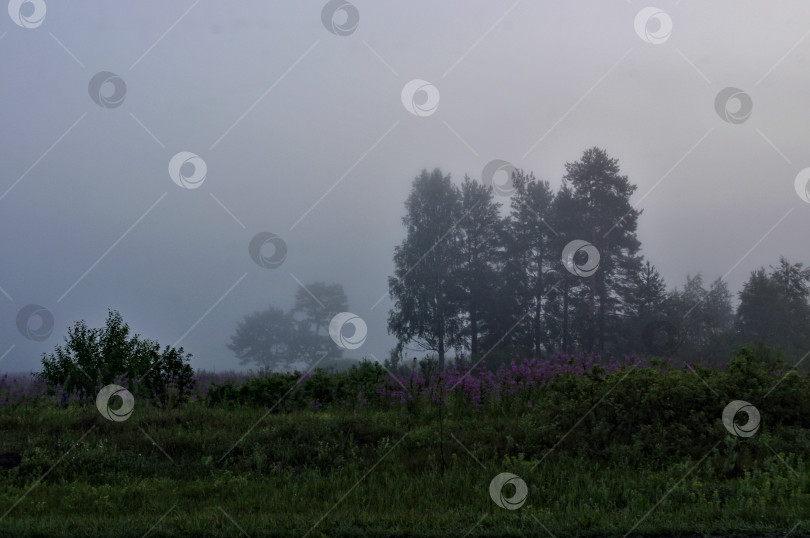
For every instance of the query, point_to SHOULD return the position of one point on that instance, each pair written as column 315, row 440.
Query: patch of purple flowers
column 468, row 388
column 26, row 389
column 475, row 387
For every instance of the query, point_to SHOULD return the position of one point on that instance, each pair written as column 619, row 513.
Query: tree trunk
column 591, row 338
column 536, row 329
column 565, row 342
column 602, row 294
column 538, row 313
column 474, row 334
column 441, row 353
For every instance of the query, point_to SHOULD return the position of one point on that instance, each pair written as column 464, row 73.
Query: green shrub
column 293, row 391
column 93, row 358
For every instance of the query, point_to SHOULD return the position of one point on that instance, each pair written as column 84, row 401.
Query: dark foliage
column 94, row 357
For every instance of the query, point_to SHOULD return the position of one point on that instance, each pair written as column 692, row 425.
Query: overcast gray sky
column 304, row 134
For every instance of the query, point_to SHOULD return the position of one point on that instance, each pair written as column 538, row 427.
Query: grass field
column 636, row 452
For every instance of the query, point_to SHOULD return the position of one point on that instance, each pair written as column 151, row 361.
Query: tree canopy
column 277, row 340
column 563, row 271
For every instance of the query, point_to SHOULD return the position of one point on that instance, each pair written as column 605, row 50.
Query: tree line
column 563, row 272
column 556, row 272
column 534, row 274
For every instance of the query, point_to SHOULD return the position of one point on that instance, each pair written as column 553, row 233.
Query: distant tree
column 266, row 338
column 647, row 303
column 706, row 317
column 648, row 294
column 317, row 303
column 758, row 315
column 500, row 340
column 600, row 200
column 533, row 260
column 718, row 311
column 480, row 251
column 425, row 286
column 315, row 306
column 396, row 360
column 277, row 340
column 793, row 279
column 774, row 308
column 565, row 303
column 94, row 357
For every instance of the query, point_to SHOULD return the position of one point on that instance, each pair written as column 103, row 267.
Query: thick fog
column 310, row 128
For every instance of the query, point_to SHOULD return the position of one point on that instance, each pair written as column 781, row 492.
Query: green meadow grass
column 380, row 473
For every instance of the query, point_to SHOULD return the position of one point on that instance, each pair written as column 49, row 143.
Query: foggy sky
column 287, row 116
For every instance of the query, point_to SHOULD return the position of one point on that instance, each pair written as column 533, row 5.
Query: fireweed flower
column 515, row 383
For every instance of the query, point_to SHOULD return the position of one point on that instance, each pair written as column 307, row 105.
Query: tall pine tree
column 531, row 254
column 605, row 218
column 480, row 251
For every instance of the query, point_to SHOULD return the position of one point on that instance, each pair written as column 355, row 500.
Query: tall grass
column 604, row 449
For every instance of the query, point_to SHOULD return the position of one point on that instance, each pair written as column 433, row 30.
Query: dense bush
column 355, row 387
column 580, row 404
column 93, row 358
column 586, row 405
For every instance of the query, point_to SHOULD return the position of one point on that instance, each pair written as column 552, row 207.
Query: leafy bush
column 93, row 358
column 357, row 386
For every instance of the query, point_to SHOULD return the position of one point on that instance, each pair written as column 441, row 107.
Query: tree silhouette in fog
column 275, row 339
column 467, row 279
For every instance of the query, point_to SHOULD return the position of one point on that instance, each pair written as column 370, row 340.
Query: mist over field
column 340, row 268
column 304, row 134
